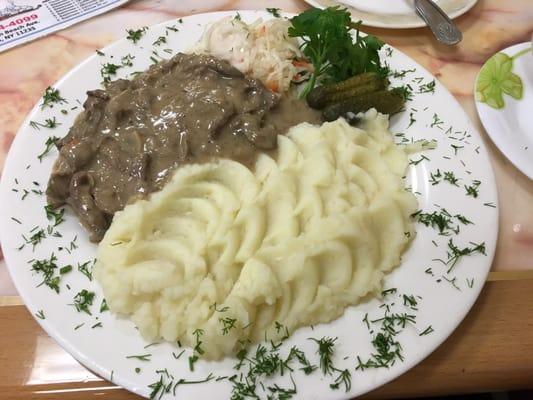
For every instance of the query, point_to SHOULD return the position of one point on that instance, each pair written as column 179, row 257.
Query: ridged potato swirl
column 293, row 243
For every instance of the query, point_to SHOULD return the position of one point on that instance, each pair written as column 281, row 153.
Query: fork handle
column 443, row 28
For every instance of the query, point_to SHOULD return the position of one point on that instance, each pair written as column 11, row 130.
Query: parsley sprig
column 334, row 46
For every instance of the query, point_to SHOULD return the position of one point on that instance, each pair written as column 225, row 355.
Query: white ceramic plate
column 393, row 14
column 510, row 127
column 104, row 349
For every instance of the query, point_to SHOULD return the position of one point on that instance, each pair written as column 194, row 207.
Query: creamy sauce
column 132, row 135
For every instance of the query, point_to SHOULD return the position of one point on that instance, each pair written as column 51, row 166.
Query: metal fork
column 443, row 28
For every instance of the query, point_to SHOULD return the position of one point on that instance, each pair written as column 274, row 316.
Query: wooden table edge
column 491, row 350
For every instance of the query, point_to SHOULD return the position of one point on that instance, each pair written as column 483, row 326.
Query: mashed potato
column 236, row 252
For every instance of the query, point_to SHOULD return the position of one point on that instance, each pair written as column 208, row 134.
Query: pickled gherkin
column 386, row 102
column 335, row 97
column 367, row 82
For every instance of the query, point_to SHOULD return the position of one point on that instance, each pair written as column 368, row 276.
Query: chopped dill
column 214, row 307
column 436, row 121
column 47, row 268
column 228, row 324
column 472, row 190
column 55, row 216
column 64, row 270
column 83, row 300
column 325, row 353
column 48, row 123
column 160, row 40
column 86, row 269
column 51, row 96
column 427, row 331
column 135, row 35
column 127, row 60
column 49, row 144
column 274, row 11
column 344, row 378
column 402, row 73
column 103, row 306
column 427, row 87
column 107, row 70
column 141, row 357
column 455, row 253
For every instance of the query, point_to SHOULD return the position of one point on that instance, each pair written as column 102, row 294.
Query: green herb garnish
column 328, row 43
column 51, row 96
column 142, row 357
column 83, row 300
column 427, row 87
column 325, row 352
column 48, row 123
column 274, row 11
column 127, row 60
column 472, row 190
column 427, row 331
column 214, row 307
column 135, row 35
column 107, row 70
column 402, row 73
column 228, row 324
column 86, row 269
column 47, row 268
column 49, row 144
column 296, row 353
column 160, row 40
column 436, row 121
column 455, row 253
column 53, row 215
column 103, row 306
column 66, row 269
column 344, row 378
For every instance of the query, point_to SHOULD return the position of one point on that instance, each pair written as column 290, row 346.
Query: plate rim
column 101, row 371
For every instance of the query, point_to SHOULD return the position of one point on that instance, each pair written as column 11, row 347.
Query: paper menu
column 24, row 20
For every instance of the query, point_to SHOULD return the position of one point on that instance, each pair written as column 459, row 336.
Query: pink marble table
column 34, row 367
column 490, row 26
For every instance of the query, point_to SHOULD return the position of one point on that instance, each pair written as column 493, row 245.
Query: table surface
column 491, row 350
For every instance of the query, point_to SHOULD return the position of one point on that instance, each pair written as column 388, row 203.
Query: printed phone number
column 19, row 21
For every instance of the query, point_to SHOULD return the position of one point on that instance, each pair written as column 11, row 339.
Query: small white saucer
column 394, row 14
column 505, row 110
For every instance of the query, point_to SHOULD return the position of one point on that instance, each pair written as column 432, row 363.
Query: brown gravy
column 133, row 134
